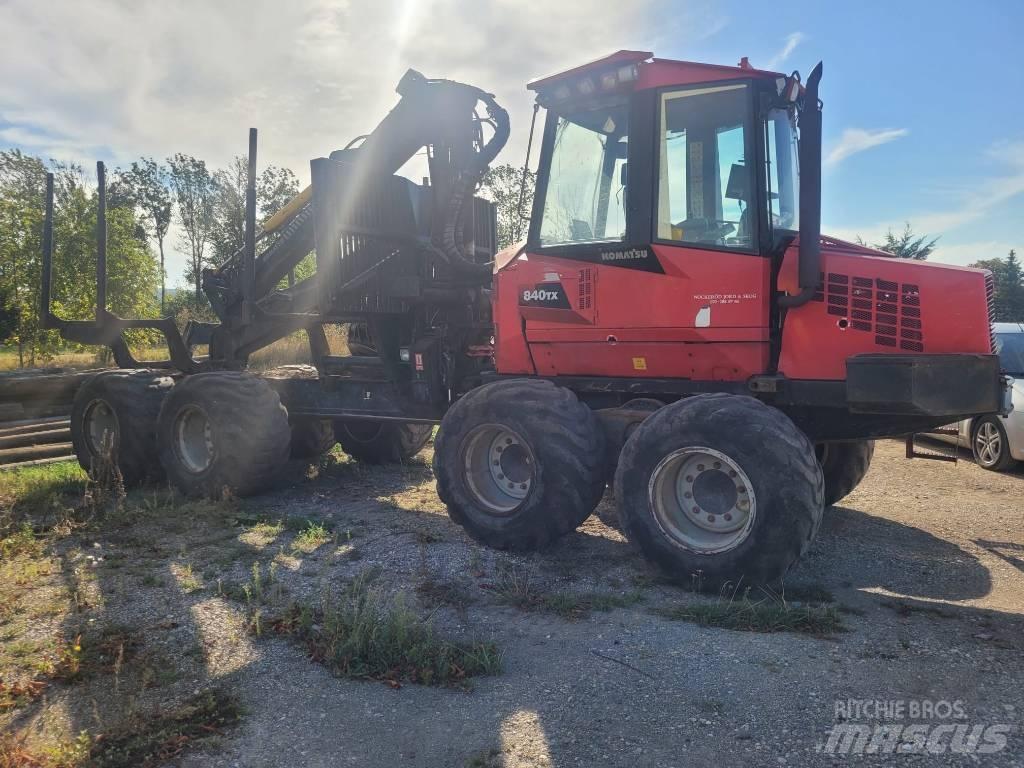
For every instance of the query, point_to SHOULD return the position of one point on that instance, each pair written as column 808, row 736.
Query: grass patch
column 139, row 742
column 46, row 493
column 161, row 737
column 365, row 634
column 515, row 586
column 766, row 615
column 311, row 537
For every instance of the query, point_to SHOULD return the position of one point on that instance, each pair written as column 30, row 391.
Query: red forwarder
column 675, row 324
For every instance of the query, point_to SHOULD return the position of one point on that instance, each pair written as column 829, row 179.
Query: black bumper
column 956, row 385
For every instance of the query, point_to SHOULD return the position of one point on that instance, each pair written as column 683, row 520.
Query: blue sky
column 923, row 108
column 937, row 84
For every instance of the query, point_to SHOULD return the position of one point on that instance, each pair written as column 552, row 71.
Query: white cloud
column 154, row 78
column 792, row 41
column 969, row 203
column 856, row 140
column 968, row 253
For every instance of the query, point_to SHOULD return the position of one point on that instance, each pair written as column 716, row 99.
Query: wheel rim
column 702, row 500
column 99, row 427
column 988, row 444
column 193, row 439
column 499, row 468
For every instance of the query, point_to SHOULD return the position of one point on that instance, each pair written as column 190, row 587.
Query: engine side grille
column 586, row 289
column 889, row 310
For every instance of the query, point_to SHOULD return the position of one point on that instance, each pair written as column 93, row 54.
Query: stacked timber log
column 35, row 408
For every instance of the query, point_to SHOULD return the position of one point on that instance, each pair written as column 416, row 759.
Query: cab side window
column 705, row 185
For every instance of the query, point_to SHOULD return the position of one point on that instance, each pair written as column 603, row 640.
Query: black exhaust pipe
column 810, row 194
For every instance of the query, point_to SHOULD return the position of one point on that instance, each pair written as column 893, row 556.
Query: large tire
column 844, row 466
column 123, row 405
column 990, row 445
column 222, row 432
column 547, row 453
column 311, row 438
column 382, row 442
column 752, row 476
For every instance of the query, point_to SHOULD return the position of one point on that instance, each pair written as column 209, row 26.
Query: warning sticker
column 639, row 363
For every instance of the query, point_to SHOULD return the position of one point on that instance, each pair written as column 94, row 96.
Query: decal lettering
column 544, row 295
column 724, row 298
column 630, row 254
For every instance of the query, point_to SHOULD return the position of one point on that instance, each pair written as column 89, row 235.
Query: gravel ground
column 925, row 560
column 927, row 556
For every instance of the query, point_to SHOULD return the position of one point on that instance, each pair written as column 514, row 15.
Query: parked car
column 997, row 442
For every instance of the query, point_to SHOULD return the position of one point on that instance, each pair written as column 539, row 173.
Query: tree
column 1008, row 276
column 146, row 186
column 905, row 245
column 131, row 269
column 193, row 191
column 22, row 183
column 503, row 185
column 274, row 187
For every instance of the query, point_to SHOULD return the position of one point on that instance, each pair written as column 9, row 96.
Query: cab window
column 705, row 181
column 586, row 184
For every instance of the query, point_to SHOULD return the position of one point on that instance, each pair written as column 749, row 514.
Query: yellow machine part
column 291, row 208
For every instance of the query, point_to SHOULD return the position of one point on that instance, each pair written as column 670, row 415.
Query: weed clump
column 365, row 634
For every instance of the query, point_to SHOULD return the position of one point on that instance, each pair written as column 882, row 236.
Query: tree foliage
column 274, row 187
column 146, row 188
column 906, row 245
column 1008, row 276
column 193, row 188
column 131, row 269
column 504, row 186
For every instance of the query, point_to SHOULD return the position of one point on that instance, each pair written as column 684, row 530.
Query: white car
column 998, row 441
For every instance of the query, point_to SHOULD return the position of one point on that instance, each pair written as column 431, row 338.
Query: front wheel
column 519, row 463
column 990, row 445
column 720, row 489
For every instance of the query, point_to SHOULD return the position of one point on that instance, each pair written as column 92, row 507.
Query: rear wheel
column 844, row 465
column 223, row 431
column 519, row 463
column 311, row 438
column 382, row 442
column 115, row 414
column 990, row 445
column 720, row 489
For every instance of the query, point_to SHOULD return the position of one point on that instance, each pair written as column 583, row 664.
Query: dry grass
column 768, row 614
column 291, row 350
column 364, row 633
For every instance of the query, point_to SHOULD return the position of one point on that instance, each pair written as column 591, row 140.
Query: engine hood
column 872, row 303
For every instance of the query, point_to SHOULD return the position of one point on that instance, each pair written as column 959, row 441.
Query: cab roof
column 652, row 72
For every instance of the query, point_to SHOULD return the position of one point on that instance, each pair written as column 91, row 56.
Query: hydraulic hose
column 463, row 189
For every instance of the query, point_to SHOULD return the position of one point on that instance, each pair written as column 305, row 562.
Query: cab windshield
column 586, row 183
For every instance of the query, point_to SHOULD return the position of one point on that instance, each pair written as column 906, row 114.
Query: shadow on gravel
column 862, row 550
column 1010, row 551
column 964, row 454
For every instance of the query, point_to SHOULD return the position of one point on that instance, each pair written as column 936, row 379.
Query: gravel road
column 925, row 559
